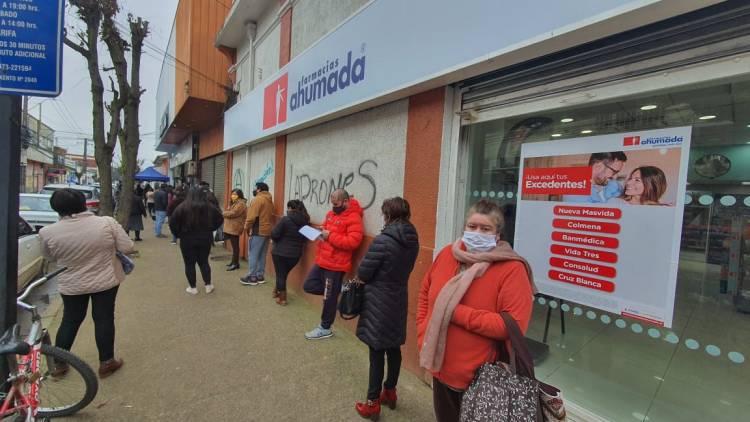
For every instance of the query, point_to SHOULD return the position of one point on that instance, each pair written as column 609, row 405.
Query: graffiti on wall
column 239, row 179
column 267, row 172
column 316, row 189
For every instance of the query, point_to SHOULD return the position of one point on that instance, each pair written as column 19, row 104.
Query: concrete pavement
column 233, row 355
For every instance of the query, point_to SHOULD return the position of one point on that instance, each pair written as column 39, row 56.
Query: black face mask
column 339, row 209
column 255, row 192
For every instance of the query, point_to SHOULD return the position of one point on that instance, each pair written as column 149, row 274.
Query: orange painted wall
column 200, row 67
column 211, row 141
column 208, row 65
column 182, row 53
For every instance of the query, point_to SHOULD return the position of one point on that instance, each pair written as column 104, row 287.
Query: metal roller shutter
column 717, row 31
column 207, row 170
column 220, row 177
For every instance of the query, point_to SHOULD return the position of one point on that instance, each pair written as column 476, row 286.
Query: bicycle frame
column 25, row 371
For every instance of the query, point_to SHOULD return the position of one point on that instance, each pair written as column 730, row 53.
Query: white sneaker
column 209, row 288
column 192, row 290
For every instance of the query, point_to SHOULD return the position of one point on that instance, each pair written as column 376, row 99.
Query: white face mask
column 478, row 242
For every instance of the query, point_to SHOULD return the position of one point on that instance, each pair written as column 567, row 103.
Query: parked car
column 91, row 193
column 30, row 258
column 36, row 210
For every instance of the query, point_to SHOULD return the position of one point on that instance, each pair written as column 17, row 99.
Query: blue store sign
column 31, row 47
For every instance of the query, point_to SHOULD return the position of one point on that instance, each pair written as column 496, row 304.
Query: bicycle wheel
column 67, row 394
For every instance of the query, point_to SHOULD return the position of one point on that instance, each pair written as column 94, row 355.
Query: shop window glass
column 620, row 368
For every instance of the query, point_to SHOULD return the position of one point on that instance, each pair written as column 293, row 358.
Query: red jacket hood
column 353, row 207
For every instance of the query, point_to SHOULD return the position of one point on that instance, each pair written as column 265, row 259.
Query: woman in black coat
column 194, row 222
column 288, row 245
column 385, row 270
column 135, row 220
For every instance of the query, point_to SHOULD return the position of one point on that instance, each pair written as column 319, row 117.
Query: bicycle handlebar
column 37, row 283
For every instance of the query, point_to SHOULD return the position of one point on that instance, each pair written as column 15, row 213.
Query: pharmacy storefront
column 645, row 305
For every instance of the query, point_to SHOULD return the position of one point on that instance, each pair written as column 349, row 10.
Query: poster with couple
column 599, row 219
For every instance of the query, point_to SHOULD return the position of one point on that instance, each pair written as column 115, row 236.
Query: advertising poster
column 599, row 219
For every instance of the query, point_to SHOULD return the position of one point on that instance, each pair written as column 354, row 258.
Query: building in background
column 194, row 89
column 436, row 107
column 84, row 169
column 37, row 154
column 161, row 164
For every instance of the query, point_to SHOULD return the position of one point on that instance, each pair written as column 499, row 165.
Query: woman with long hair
column 234, row 221
column 645, row 186
column 135, row 220
column 194, row 222
column 458, row 311
column 385, row 269
column 288, row 245
column 178, row 197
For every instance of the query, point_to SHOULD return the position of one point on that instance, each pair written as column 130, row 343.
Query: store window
column 620, row 368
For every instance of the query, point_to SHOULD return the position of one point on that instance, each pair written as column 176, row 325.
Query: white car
column 36, row 210
column 90, row 192
column 30, row 258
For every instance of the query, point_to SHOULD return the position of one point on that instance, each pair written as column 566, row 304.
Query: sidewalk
column 233, row 355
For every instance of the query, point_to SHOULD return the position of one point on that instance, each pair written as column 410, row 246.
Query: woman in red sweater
column 458, row 313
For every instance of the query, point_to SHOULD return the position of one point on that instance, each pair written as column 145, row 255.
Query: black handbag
column 352, row 296
column 510, row 392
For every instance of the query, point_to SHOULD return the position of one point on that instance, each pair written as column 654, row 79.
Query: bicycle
column 44, row 381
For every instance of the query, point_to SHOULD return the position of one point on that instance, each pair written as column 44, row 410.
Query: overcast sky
column 70, row 113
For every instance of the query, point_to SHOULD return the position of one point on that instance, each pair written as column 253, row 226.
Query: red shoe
column 369, row 410
column 388, row 398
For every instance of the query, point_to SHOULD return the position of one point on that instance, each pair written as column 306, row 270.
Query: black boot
column 233, row 267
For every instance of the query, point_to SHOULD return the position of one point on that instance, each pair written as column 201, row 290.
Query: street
column 233, row 355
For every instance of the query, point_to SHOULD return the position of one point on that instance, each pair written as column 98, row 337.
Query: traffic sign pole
column 10, row 174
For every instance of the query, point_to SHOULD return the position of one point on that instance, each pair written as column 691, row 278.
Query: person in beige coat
column 258, row 225
column 86, row 244
column 234, row 220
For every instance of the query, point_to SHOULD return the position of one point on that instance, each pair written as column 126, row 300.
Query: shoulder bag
column 503, row 392
column 352, row 296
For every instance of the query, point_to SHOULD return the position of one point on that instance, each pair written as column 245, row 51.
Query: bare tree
column 99, row 17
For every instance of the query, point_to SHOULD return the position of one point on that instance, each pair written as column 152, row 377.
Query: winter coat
column 234, row 217
column 176, row 201
column 475, row 325
column 179, row 223
column 287, row 240
column 346, row 232
column 137, row 211
column 385, row 270
column 161, row 200
column 259, row 215
column 86, row 244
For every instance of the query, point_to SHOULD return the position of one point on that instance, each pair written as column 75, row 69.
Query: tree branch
column 82, row 51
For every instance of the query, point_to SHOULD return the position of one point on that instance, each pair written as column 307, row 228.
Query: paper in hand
column 310, row 232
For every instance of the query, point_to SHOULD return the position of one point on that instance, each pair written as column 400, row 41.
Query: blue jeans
column 257, row 247
column 160, row 217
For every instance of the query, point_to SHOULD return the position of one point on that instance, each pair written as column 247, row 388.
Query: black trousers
column 283, row 265
column 327, row 283
column 195, row 250
column 103, row 313
column 150, row 206
column 234, row 240
column 446, row 401
column 377, row 368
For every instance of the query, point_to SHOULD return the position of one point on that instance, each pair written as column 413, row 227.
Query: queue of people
column 458, row 321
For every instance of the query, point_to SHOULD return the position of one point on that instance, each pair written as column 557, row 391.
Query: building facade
column 369, row 96
column 194, row 89
column 38, row 165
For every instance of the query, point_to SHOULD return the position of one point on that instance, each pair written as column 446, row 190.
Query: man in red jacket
column 341, row 235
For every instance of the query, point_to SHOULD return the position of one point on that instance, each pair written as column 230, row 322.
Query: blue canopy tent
column 151, row 175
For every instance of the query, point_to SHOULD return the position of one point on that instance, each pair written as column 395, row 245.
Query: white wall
column 253, row 164
column 262, row 164
column 364, row 152
column 263, row 52
column 165, row 91
column 311, row 19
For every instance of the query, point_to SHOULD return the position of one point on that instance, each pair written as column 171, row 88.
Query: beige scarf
column 433, row 349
